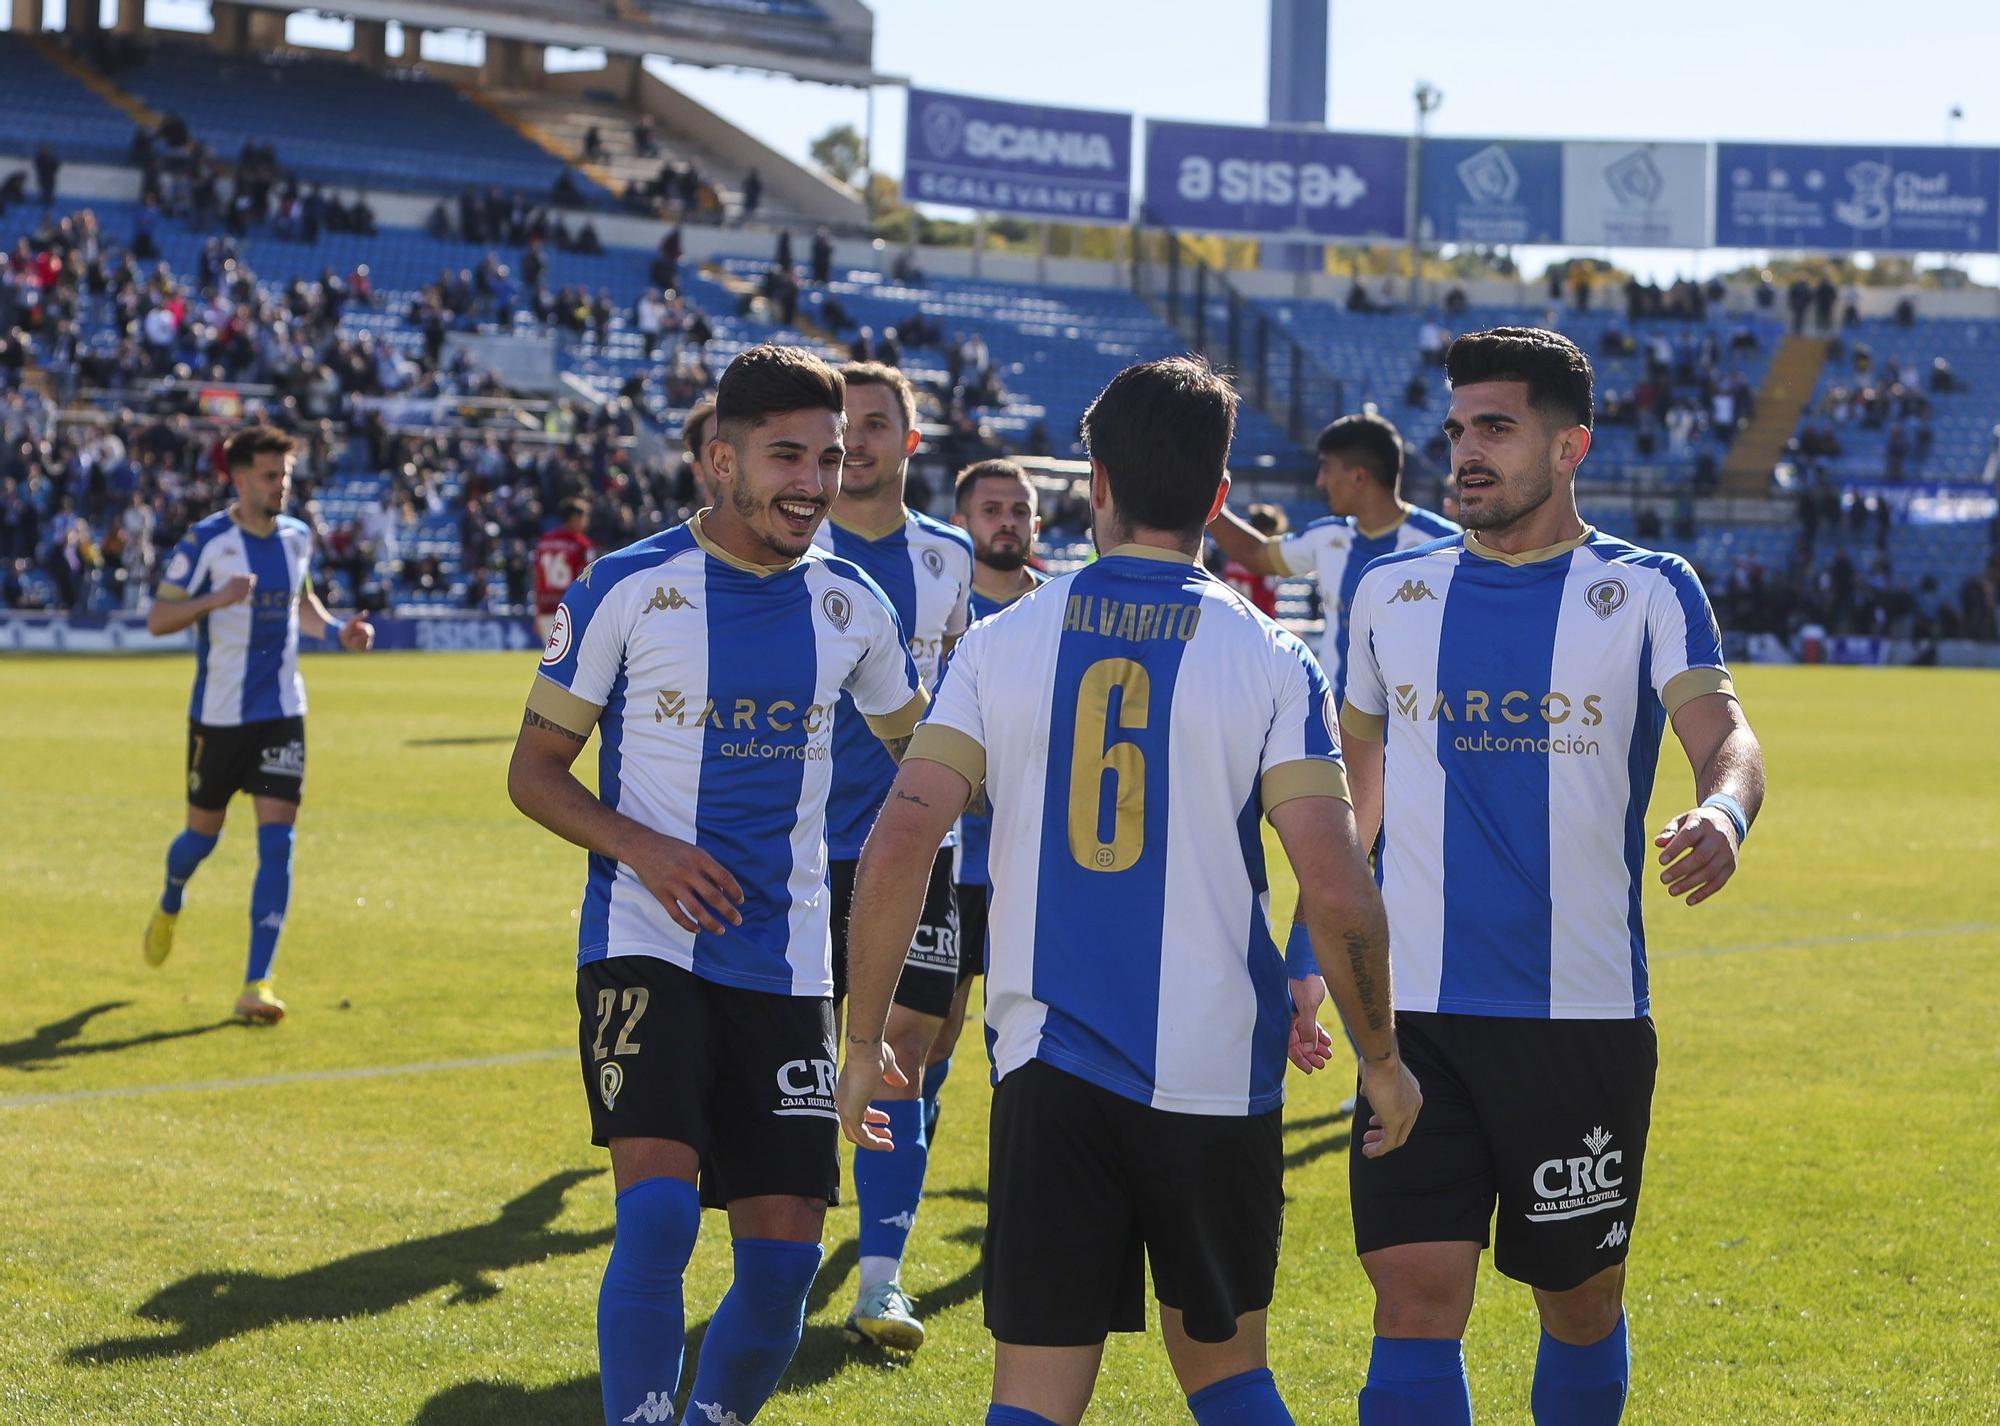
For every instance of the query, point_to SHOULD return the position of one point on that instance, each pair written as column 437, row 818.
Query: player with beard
column 1506, row 696
column 925, row 568
column 996, row 505
column 708, row 658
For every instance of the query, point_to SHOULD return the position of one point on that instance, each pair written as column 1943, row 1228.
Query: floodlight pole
column 1428, row 97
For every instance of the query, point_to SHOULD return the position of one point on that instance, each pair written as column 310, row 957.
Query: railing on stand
column 1272, row 369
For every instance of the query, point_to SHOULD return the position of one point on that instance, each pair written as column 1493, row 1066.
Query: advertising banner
column 1297, row 183
column 1880, row 199
column 1490, row 191
column 1635, row 195
column 1074, row 164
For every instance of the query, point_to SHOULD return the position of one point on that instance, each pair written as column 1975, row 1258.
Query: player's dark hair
column 1556, row 371
column 876, row 373
column 1369, row 441
column 241, row 450
column 1161, row 430
column 771, row 380
column 983, row 470
column 694, row 435
column 571, row 508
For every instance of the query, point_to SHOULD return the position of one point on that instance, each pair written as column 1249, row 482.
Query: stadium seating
column 40, row 104
column 1962, row 421
column 336, row 122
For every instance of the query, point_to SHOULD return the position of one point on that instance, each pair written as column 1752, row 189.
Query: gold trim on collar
column 1474, row 545
column 1034, row 583
column 762, row 571
column 237, row 520
column 1388, row 529
column 866, row 534
column 1151, row 552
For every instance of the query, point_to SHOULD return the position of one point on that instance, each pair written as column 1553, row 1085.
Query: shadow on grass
column 58, row 1040
column 823, row 1354
column 467, row 742
column 210, row 1307
column 1334, row 1143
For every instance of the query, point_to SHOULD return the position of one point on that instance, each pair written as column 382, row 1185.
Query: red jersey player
column 560, row 556
column 1260, row 589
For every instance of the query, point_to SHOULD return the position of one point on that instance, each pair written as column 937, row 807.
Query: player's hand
column 1312, row 1045
column 870, row 1064
column 689, row 883
column 1699, row 851
column 1394, row 1097
column 236, row 590
column 357, row 634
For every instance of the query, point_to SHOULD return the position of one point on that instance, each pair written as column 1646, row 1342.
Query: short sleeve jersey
column 1334, row 552
column 712, row 684
column 1133, row 722
column 246, row 666
column 924, row 566
column 975, row 831
column 1522, row 700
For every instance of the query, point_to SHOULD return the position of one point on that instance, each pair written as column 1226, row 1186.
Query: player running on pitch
column 242, row 579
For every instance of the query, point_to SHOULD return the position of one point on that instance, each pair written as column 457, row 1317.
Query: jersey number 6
column 1091, row 761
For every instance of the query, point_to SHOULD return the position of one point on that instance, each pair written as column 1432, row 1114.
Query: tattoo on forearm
column 532, row 719
column 911, row 797
column 1358, row 948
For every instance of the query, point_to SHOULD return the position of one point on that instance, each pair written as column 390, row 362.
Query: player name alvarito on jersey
column 1121, row 619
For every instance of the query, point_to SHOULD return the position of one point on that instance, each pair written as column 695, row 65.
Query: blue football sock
column 997, row 1415
column 183, row 856
column 934, row 1078
column 1416, row 1381
column 754, row 1332
column 641, row 1329
column 1246, row 1399
column 889, row 1184
column 270, row 894
column 1582, row 1386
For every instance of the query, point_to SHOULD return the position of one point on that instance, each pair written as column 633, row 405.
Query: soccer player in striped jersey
column 1361, row 475
column 1506, row 696
column 925, row 567
column 243, row 579
column 1136, row 721
column 995, row 504
column 709, row 658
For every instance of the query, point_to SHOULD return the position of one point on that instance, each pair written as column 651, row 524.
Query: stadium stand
column 43, row 105
column 1905, row 401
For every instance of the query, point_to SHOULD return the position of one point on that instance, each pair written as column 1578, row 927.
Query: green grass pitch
column 1817, row 1243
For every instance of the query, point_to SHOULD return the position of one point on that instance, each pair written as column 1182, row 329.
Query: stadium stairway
column 1788, row 385
column 134, row 108
column 536, row 134
column 739, row 286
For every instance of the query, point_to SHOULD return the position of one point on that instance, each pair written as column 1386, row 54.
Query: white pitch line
column 74, row 1096
column 30, row 1101
column 1807, row 943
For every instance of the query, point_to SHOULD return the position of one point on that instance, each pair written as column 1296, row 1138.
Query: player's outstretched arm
column 173, row 610
column 357, row 635
column 690, row 884
column 1244, row 543
column 1700, row 848
column 1342, row 909
column 889, row 885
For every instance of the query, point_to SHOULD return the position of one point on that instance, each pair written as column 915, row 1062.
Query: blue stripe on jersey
column 1648, row 724
column 271, row 614
column 762, row 649
column 1498, row 634
column 1105, row 927
column 200, row 666
column 862, row 767
column 1267, row 971
column 594, row 930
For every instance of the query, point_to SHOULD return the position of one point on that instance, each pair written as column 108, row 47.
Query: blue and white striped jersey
column 975, row 832
column 1334, row 552
column 712, row 685
column 1523, row 699
column 925, row 567
column 246, row 656
column 1133, row 721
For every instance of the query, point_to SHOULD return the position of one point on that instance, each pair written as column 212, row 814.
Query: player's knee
column 1422, row 1305
column 658, row 1220
column 1586, row 1314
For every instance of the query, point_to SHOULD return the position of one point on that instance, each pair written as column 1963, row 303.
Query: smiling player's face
column 877, row 440
column 775, row 482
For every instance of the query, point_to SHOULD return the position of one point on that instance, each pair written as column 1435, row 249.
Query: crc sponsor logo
column 284, row 759
column 805, row 1089
column 1606, row 597
column 934, row 948
column 1411, row 591
column 558, row 644
column 1240, row 181
column 740, row 715
column 1582, row 1184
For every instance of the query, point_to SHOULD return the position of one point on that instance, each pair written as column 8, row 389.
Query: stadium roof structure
column 828, row 41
